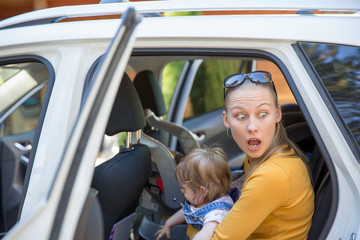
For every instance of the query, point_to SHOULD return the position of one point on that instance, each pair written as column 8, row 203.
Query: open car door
column 53, row 211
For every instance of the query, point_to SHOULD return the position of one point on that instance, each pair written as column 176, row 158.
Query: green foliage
column 207, row 92
column 170, row 75
column 121, row 138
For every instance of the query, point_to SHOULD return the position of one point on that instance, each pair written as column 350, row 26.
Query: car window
column 207, row 91
column 16, row 80
column 22, row 90
column 25, row 117
column 205, row 95
column 285, row 96
column 338, row 67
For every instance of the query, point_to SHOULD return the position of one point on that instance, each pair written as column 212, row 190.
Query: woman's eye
column 240, row 116
column 262, row 114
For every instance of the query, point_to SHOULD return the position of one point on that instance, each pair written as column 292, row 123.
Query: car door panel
column 14, row 156
column 65, row 198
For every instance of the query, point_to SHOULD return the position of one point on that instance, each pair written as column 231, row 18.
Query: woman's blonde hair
column 205, row 167
column 281, row 142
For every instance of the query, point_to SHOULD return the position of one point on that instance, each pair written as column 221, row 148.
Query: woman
column 277, row 198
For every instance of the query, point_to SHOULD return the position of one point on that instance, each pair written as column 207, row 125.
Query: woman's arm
column 207, row 231
column 263, row 192
column 175, row 219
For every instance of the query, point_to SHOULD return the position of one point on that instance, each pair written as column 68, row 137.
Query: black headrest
column 127, row 114
column 291, row 114
column 290, row 107
column 149, row 90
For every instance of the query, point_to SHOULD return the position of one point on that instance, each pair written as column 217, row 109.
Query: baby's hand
column 164, row 230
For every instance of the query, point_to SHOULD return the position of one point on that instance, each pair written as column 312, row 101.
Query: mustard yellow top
column 276, row 202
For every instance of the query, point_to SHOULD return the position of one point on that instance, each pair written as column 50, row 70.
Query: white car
column 63, row 178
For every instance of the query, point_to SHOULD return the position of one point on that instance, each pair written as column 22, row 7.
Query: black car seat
column 121, row 179
column 299, row 132
column 152, row 99
column 297, row 128
column 322, row 209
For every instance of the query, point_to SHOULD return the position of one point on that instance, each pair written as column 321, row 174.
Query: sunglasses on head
column 256, row 77
column 238, row 78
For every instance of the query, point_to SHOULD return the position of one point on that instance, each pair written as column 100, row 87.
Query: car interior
column 161, row 194
column 166, row 105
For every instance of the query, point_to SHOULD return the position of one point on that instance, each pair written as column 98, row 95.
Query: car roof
column 337, row 28
column 56, row 14
column 294, row 28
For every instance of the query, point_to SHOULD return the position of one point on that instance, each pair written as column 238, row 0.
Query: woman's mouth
column 254, row 144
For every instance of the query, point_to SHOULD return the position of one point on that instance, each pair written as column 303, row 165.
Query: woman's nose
column 252, row 125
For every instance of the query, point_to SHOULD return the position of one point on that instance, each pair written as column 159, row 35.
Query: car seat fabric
column 165, row 165
column 299, row 132
column 322, row 208
column 127, row 113
column 120, row 182
column 121, row 179
column 151, row 97
column 149, row 90
column 297, row 128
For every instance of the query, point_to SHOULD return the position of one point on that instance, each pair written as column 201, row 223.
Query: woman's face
column 251, row 115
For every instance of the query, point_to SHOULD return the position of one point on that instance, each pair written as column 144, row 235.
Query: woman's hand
column 164, row 230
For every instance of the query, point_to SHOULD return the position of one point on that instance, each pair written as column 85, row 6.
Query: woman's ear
column 225, row 119
column 278, row 114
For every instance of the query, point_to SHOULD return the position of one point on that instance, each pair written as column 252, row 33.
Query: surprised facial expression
column 252, row 116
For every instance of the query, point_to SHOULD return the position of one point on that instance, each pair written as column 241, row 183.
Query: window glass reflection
column 339, row 68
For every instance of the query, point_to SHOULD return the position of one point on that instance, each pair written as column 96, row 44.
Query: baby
column 204, row 176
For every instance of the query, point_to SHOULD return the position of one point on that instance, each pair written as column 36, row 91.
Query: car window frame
column 26, row 59
column 90, row 77
column 50, row 85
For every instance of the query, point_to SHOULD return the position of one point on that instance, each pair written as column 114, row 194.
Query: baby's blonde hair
column 205, row 167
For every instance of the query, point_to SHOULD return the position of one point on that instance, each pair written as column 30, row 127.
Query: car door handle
column 23, row 147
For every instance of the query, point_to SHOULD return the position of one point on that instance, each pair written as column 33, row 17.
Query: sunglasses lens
column 259, row 77
column 262, row 77
column 233, row 81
